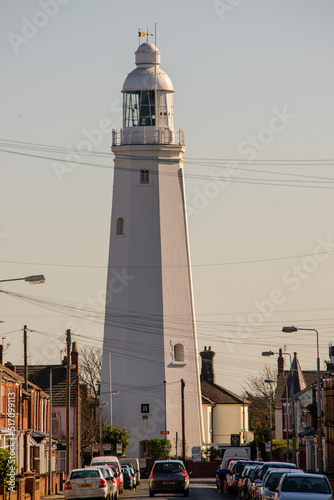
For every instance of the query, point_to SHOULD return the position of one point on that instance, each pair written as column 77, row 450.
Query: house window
column 145, row 408
column 120, row 227
column 62, row 459
column 144, row 177
column 178, row 352
column 55, row 423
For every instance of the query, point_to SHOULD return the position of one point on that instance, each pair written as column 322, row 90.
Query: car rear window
column 81, row 474
column 302, row 484
column 162, row 468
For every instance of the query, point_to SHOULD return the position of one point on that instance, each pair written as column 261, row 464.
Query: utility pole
column 183, row 430
column 68, row 399
column 165, row 404
column 25, row 348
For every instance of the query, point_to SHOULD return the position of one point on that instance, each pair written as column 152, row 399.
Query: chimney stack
column 280, row 363
column 75, row 358
column 207, row 372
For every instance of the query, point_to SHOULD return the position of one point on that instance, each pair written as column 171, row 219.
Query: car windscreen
column 257, row 473
column 166, row 468
column 81, row 474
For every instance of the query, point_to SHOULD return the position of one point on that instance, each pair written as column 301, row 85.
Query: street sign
column 107, row 446
column 164, row 432
column 119, row 448
column 196, row 452
column 267, row 447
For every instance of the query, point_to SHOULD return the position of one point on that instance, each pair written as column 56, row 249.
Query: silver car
column 303, row 487
column 270, row 482
column 87, row 483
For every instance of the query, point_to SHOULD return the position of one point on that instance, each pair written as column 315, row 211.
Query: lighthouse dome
column 143, row 77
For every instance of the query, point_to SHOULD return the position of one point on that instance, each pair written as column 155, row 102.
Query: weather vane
column 142, row 33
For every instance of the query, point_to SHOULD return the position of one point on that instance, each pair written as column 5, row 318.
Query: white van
column 235, row 453
column 109, row 460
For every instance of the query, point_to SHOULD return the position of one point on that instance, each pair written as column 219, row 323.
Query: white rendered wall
column 227, row 420
column 149, row 304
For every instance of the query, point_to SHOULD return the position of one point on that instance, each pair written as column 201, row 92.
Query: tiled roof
column 217, row 394
column 40, row 375
column 20, row 378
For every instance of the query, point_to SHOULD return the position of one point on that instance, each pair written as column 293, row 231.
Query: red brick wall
column 203, row 469
column 197, row 469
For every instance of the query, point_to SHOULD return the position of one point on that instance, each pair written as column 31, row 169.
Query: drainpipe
column 212, row 407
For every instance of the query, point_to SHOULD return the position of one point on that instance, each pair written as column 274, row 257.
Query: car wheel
column 151, row 493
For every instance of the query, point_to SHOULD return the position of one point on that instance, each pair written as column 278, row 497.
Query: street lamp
column 292, row 329
column 50, row 424
column 38, row 278
column 268, row 381
column 271, row 353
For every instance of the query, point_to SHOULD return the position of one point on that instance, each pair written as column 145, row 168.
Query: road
column 199, row 488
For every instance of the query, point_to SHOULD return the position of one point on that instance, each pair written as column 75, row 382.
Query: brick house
column 28, row 412
column 40, row 375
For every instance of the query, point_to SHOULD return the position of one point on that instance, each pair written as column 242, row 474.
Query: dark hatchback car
column 169, row 476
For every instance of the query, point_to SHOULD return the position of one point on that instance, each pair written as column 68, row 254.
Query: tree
column 157, row 448
column 113, row 434
column 90, row 380
column 90, row 369
column 6, row 464
column 259, row 393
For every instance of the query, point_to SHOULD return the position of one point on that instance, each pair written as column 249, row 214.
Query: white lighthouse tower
column 150, row 348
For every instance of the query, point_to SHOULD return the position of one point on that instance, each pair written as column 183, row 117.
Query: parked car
column 270, row 482
column 87, row 483
column 116, row 475
column 135, row 464
column 111, row 480
column 133, row 474
column 257, row 485
column 303, row 487
column 243, row 481
column 254, row 479
column 109, row 460
column 237, row 469
column 169, row 476
column 229, row 475
column 128, row 479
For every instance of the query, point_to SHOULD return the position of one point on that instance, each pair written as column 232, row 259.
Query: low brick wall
column 203, row 469
column 197, row 469
column 33, row 487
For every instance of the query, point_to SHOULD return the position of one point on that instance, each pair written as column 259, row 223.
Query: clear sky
column 254, row 93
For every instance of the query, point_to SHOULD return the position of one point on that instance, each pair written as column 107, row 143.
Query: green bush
column 7, row 465
column 157, row 448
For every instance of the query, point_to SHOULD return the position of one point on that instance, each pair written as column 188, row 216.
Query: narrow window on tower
column 120, row 227
column 179, row 352
column 144, row 177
